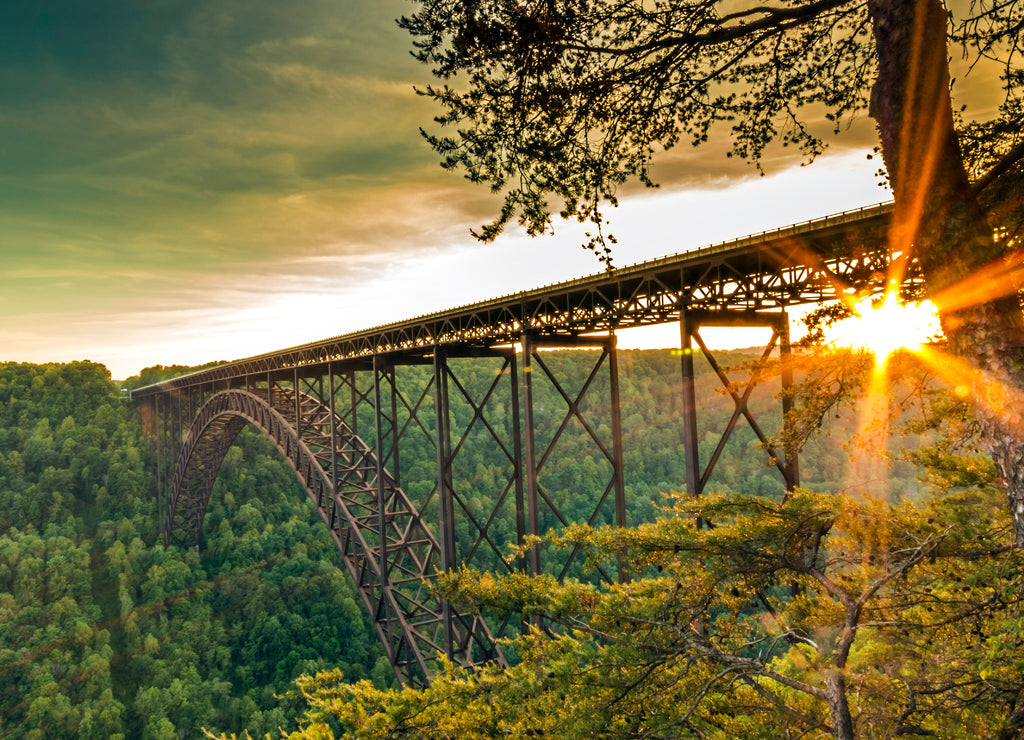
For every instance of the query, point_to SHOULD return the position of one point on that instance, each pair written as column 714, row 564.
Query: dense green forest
column 106, row 633
column 103, row 632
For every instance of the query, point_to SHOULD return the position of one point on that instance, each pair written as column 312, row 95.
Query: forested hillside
column 879, row 607
column 103, row 632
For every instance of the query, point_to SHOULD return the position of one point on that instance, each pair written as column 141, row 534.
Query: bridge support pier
column 690, row 323
column 541, row 501
column 445, row 482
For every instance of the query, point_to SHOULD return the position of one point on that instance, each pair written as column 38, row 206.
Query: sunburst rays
column 883, row 325
column 886, row 325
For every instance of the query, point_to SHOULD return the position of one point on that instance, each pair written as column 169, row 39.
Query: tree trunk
column 940, row 220
column 838, row 707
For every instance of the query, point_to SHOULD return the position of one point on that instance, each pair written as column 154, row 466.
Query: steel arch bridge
column 345, row 411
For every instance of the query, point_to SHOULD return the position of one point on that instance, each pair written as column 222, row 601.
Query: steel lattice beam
column 802, row 264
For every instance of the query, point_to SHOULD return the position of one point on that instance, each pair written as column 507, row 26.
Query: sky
column 183, row 181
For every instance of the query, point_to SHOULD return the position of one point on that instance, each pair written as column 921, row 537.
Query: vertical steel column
column 533, row 513
column 788, row 446
column 155, row 402
column 381, row 492
column 445, row 485
column 179, row 427
column 170, row 457
column 162, row 437
column 298, row 406
column 396, row 468
column 353, row 403
column 617, row 463
column 175, row 442
column 692, row 451
column 517, row 452
column 334, row 444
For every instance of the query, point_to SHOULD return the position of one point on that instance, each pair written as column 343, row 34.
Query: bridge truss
column 345, row 412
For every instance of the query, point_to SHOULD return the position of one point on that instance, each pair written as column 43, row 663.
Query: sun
column 881, row 326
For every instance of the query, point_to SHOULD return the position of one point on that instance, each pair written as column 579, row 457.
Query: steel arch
column 388, row 550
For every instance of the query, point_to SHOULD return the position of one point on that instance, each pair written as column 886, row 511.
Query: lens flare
column 885, row 326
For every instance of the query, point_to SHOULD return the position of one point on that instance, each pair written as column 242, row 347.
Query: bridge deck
column 799, row 264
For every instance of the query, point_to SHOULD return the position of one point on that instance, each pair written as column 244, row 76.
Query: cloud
column 180, row 179
column 209, row 146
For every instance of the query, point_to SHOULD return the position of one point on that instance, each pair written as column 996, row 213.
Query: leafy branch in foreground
column 820, row 615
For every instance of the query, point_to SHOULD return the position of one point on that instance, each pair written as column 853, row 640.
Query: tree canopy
column 820, row 615
column 571, row 99
column 104, row 633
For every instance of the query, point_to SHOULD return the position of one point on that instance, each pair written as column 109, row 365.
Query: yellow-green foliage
column 730, row 631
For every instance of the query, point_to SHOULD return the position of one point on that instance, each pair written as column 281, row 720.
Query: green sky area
column 178, row 175
column 140, row 132
column 149, row 149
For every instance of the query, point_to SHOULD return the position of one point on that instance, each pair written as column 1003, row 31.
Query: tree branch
column 1003, row 166
column 775, row 19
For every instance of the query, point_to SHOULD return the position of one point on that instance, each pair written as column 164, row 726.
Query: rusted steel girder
column 607, row 447
column 785, row 460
